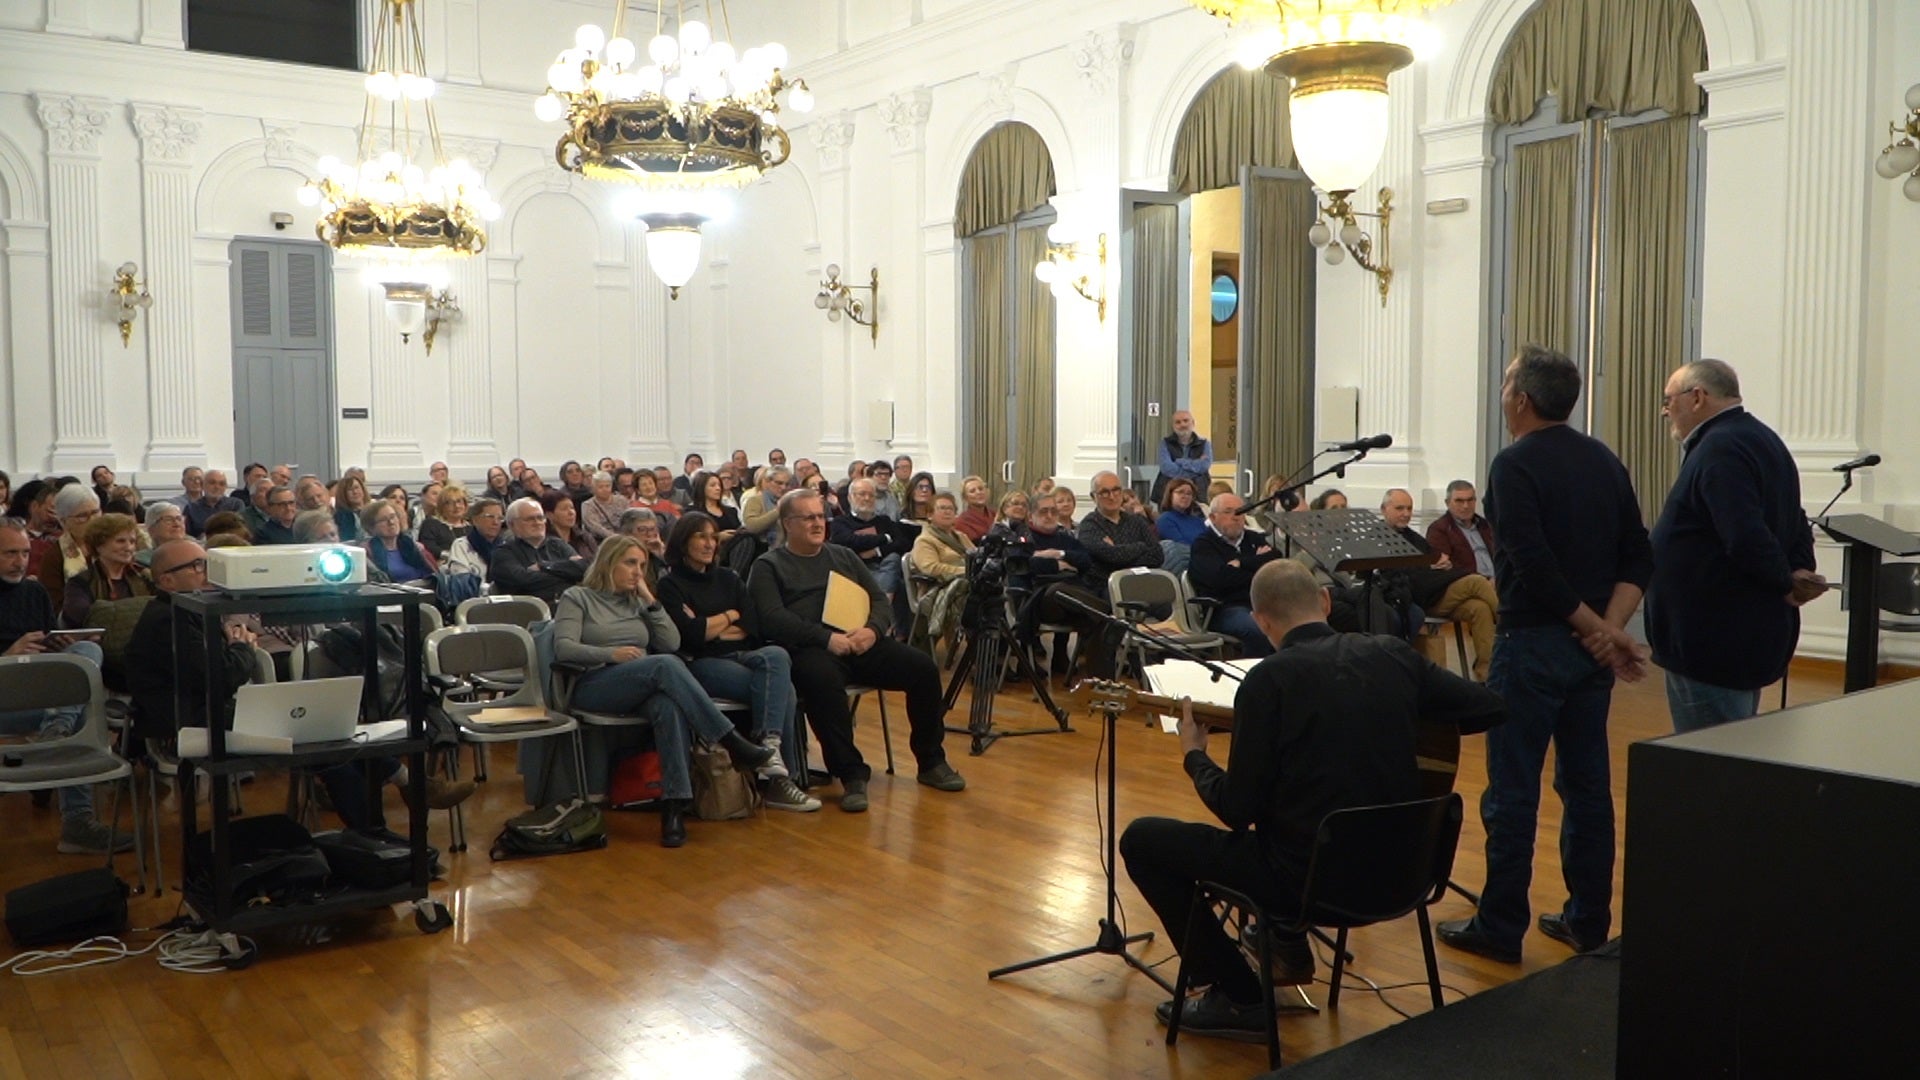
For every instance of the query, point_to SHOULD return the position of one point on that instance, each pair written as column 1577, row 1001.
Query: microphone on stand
column 1371, row 442
column 1867, row 462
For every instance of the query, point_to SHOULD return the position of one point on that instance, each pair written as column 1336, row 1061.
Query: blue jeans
column 1237, row 623
column 623, row 689
column 76, row 802
column 1555, row 693
column 763, row 678
column 1697, row 705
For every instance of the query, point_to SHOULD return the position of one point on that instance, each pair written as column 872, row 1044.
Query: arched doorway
column 1218, row 278
column 1006, row 314
column 1599, row 164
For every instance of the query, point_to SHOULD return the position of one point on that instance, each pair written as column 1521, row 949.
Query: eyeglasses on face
column 198, row 566
column 1106, row 491
column 809, row 518
column 1667, row 400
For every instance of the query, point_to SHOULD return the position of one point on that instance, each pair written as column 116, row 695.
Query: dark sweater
column 24, row 608
column 789, row 595
column 151, row 672
column 1568, row 524
column 438, row 536
column 522, row 569
column 1331, row 721
column 1134, row 543
column 691, row 597
column 1225, row 571
column 1726, row 545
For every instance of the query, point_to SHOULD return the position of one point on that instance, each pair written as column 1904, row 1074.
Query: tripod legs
column 984, row 660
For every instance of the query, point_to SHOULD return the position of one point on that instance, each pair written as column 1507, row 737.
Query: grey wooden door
column 283, row 378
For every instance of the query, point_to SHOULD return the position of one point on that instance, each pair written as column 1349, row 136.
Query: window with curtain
column 1596, row 217
column 1007, row 393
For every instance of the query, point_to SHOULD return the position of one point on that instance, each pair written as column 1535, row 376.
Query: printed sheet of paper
column 506, row 714
column 1189, row 679
column 848, row 604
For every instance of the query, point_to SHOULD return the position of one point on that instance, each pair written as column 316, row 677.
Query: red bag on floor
column 636, row 779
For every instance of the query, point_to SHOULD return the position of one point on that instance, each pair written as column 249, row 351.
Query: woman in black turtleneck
column 706, row 602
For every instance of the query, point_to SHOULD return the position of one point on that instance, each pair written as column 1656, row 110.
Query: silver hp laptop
column 315, row 710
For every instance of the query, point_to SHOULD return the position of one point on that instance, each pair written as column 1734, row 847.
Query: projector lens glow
column 333, row 566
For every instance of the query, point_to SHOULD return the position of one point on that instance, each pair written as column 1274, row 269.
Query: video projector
column 286, row 567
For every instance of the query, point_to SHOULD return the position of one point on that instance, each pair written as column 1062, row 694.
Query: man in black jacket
column 1331, row 721
column 533, row 563
column 1225, row 558
column 1732, row 554
column 1443, row 589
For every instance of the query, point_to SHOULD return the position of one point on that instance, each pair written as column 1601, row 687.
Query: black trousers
column 1096, row 649
column 1165, row 858
column 822, row 678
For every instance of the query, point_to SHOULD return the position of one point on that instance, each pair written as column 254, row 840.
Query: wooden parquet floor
column 818, row 945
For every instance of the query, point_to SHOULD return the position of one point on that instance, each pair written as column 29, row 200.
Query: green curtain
column 1157, row 310
column 1033, row 365
column 1008, row 173
column 1643, row 308
column 1241, row 118
column 1609, row 56
column 1277, row 365
column 1545, row 185
column 985, row 368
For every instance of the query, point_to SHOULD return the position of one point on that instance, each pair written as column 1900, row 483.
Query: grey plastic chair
column 59, row 681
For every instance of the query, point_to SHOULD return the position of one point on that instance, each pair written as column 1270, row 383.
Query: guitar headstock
column 1103, row 695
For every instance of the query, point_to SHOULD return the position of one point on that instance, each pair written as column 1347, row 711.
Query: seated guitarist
column 1326, row 723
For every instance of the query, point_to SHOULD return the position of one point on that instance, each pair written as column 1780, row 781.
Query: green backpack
column 553, row 829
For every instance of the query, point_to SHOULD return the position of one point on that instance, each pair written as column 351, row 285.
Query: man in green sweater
column 788, row 594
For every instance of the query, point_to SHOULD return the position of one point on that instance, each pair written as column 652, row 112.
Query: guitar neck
column 1214, row 716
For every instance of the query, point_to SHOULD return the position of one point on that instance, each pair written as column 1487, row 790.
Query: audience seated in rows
column 444, row 521
column 282, row 507
column 976, row 513
column 390, row 549
column 164, row 523
column 563, row 522
column 600, row 512
column 472, row 552
column 111, row 573
column 530, row 562
column 1225, row 558
column 1462, row 534
column 1445, row 590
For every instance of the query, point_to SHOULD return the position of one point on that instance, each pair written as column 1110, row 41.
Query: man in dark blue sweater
column 1733, row 554
column 1573, row 560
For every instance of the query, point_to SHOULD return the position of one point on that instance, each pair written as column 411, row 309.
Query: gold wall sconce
column 130, row 298
column 1901, row 155
column 1353, row 240
column 837, row 299
column 442, row 308
column 1071, row 266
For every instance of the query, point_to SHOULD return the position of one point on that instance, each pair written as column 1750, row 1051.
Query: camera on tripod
column 997, row 562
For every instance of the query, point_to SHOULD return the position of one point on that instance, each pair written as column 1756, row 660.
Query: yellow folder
column 847, row 603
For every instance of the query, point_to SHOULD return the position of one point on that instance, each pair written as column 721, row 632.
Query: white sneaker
column 774, row 767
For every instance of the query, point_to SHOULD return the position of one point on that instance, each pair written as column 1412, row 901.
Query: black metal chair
column 1370, row 864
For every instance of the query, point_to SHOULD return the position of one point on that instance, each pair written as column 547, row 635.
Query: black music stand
column 1353, row 542
column 1867, row 538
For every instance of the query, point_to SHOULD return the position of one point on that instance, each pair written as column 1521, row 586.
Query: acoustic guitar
column 1436, row 745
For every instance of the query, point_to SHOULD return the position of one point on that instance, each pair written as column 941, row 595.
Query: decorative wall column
column 395, row 446
column 81, row 328
column 833, row 142
column 1386, row 335
column 163, row 24
column 650, row 439
column 1087, row 356
column 24, row 244
column 706, row 387
column 1829, row 154
column 469, row 343
column 477, row 419
column 903, row 323
column 167, row 135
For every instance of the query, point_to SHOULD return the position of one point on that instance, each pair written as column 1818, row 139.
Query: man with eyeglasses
column 788, row 593
column 210, row 499
column 178, row 567
column 1732, row 554
column 26, row 615
column 282, row 507
column 534, row 563
column 1115, row 539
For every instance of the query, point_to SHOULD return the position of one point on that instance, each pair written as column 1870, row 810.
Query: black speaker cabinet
column 1771, row 915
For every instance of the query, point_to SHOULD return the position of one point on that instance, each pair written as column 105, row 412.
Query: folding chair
column 1162, row 597
column 1370, row 864
column 521, row 611
column 457, row 653
column 60, row 681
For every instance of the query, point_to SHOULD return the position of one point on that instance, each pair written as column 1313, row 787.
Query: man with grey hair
column 1461, row 534
column 874, row 537
column 533, row 562
column 1443, row 589
column 1327, row 723
column 211, row 499
column 1573, row 562
column 1225, row 559
column 255, row 512
column 1114, row 538
column 1732, row 554
column 282, row 507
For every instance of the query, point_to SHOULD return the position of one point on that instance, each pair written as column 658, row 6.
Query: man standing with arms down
column 1733, row 554
column 1573, row 561
column 1184, row 455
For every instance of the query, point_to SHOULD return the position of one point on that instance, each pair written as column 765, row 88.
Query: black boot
column 746, row 756
column 673, row 822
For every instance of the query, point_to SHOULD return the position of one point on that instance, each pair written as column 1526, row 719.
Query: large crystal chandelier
column 687, row 121
column 1338, row 54
column 386, row 207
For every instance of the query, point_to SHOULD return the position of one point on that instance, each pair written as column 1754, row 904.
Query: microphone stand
column 1845, row 486
column 1296, row 489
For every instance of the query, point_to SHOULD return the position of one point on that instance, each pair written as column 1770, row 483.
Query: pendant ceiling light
column 687, row 118
column 387, row 207
column 1337, row 55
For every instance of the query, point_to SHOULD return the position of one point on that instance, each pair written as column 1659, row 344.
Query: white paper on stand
column 1191, row 679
